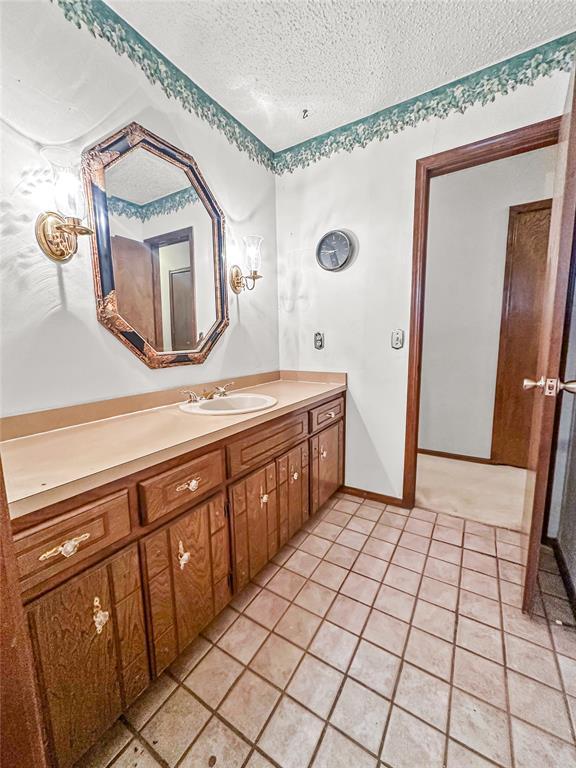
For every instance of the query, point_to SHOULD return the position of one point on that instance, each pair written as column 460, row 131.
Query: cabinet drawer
column 51, row 547
column 326, row 414
column 180, row 487
column 265, row 444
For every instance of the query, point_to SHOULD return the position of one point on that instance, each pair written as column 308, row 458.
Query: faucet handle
column 222, row 390
column 192, row 396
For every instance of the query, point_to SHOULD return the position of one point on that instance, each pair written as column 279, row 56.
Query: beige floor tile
column 315, row 685
column 394, row 602
column 214, row 676
column 283, row 555
column 267, row 608
column 352, row 539
column 314, row 545
column 135, row 756
column 511, row 593
column 512, row 537
column 327, row 531
column 360, row 525
column 410, row 742
column 375, row 504
column 302, row 563
column 430, row 653
column 245, row 596
column 386, row 533
column 337, row 517
column 298, row 625
column 479, row 608
column 480, row 677
column 510, row 572
column 216, row 628
column 460, row 757
column 529, row 628
column 263, row 577
column 345, row 505
column 243, row 639
column 481, row 529
column 378, row 548
column 334, row 645
column 531, row 660
column 315, row 598
column 175, row 726
column 448, row 552
column 435, row 620
column 217, row 741
column 408, row 558
column 369, row 513
column 539, row 705
column 414, row 542
column 348, row 614
column 150, row 701
column 447, row 535
column 510, row 552
column 424, row 514
column 480, row 544
column 480, row 726
column 292, row 734
column 106, row 748
column 360, row 588
column 190, row 657
column 286, row 583
column 276, row 660
column 361, row 714
column 386, row 632
column 479, row 583
column 329, row 575
column 450, row 521
column 439, row 593
column 394, row 520
column 442, row 571
column 336, row 751
column 533, row 747
column 375, row 667
column 421, row 527
column 258, row 761
column 249, row 704
column 370, row 566
column 479, row 638
column 340, row 555
column 476, row 561
column 422, row 695
column 298, row 538
column 403, row 579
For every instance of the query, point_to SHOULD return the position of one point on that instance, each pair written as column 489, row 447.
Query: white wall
column 371, row 192
column 62, row 86
column 466, row 258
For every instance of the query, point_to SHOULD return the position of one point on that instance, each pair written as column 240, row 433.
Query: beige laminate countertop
column 45, row 468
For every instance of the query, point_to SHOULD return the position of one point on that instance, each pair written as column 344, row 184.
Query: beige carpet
column 482, row 492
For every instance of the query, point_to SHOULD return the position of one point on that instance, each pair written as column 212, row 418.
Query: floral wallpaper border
column 160, row 207
column 481, row 87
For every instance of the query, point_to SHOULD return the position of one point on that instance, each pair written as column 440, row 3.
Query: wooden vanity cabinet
column 90, row 650
column 327, row 464
column 187, row 579
column 293, row 491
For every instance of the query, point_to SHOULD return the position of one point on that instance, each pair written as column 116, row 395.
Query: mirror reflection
column 161, row 238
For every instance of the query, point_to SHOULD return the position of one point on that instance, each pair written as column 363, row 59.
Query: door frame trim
column 524, row 139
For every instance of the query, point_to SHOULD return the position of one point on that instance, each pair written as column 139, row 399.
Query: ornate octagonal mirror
column 157, row 248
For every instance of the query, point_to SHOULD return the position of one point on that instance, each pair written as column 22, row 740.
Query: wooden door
column 182, row 315
column 327, row 464
column 528, row 230
column 134, row 285
column 77, row 665
column 545, row 394
column 255, row 522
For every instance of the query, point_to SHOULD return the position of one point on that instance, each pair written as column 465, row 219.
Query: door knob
column 568, row 386
column 531, row 384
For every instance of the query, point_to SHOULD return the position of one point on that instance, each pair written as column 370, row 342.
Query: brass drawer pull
column 331, row 414
column 100, row 617
column 295, row 476
column 263, row 497
column 323, row 453
column 67, row 548
column 189, row 485
column 183, row 556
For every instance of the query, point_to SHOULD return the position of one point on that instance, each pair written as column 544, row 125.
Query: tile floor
column 378, row 637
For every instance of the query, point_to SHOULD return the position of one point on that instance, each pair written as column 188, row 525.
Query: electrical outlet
column 397, row 340
column 318, row 340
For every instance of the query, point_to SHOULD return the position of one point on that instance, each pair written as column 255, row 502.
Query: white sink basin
column 231, row 404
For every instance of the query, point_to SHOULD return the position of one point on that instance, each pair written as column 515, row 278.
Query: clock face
column 334, row 250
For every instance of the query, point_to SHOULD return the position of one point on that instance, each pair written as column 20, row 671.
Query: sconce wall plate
column 57, row 235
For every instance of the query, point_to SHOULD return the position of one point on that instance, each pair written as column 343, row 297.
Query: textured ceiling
column 141, row 177
column 266, row 61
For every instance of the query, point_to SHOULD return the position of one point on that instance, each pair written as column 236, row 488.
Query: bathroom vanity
column 125, row 568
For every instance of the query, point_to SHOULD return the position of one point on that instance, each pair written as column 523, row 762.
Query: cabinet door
column 78, row 666
column 297, row 488
column 255, row 523
column 187, row 575
column 327, row 464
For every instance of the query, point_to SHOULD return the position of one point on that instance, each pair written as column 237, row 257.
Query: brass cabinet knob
column 323, row 453
column 189, row 485
column 331, row 414
column 295, row 475
column 183, row 556
column 99, row 616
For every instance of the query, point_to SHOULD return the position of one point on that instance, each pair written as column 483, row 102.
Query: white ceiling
column 141, row 177
column 267, row 60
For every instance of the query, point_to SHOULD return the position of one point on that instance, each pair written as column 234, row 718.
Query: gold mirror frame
column 95, row 161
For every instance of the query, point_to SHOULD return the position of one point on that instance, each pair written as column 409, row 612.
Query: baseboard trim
column 564, row 572
column 456, row 456
column 394, row 500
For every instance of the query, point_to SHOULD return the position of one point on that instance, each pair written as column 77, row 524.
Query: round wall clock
column 335, row 250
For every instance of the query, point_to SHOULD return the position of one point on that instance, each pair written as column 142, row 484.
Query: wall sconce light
column 57, row 233
column 252, row 251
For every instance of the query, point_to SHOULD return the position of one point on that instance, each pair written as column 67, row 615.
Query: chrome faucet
column 207, row 395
